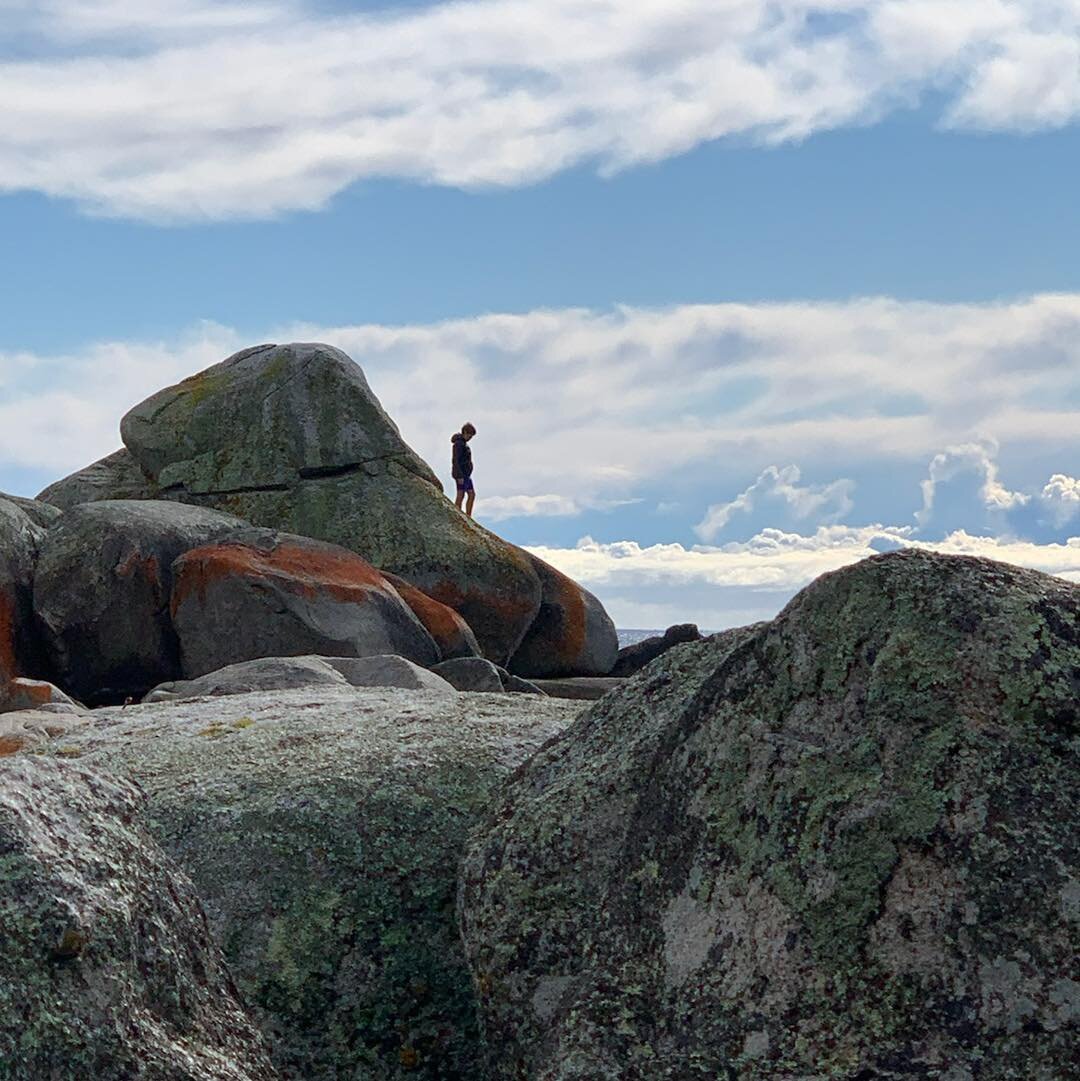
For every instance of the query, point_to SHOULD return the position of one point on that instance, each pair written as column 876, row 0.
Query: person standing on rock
column 462, row 467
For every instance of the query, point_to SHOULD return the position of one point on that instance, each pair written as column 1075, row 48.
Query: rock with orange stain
column 32, row 729
column 259, row 593
column 102, row 592
column 35, row 694
column 20, row 537
column 292, row 437
column 572, row 634
column 452, row 634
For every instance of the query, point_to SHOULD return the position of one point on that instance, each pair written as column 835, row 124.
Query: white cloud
column 658, row 585
column 192, row 110
column 500, row 508
column 676, row 404
column 963, row 489
column 778, row 496
column 1061, row 499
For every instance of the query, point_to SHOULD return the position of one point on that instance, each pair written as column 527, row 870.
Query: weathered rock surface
column 470, row 674
column 22, row 693
column 32, row 729
column 323, row 829
column 292, row 437
column 388, row 671
column 20, row 538
column 43, row 515
column 107, row 968
column 843, row 844
column 572, row 634
column 259, row 593
column 116, row 477
column 451, row 633
column 101, row 593
column 262, row 674
column 581, row 688
column 633, row 658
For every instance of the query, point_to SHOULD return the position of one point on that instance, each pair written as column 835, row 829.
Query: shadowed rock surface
column 572, row 634
column 388, row 671
column 633, row 658
column 101, row 593
column 323, row 828
column 581, row 688
column 451, row 633
column 843, row 844
column 107, row 968
column 20, row 537
column 470, row 674
column 259, row 593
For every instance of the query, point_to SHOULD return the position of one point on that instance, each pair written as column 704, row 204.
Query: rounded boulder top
column 266, row 415
column 840, row 844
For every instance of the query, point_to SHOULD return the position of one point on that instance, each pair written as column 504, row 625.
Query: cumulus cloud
column 963, row 490
column 657, row 585
column 500, row 508
column 171, row 110
column 778, row 496
column 1060, row 499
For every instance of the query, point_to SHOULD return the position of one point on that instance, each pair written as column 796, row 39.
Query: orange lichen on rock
column 12, row 744
column 299, row 568
column 451, row 632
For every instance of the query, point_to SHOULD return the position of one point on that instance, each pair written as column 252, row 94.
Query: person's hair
column 468, row 429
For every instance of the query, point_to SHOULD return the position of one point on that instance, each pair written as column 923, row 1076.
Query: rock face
column 292, row 437
column 116, row 477
column 572, row 635
column 388, row 671
column 323, row 828
column 32, row 729
column 259, row 593
column 19, row 541
column 107, row 968
column 843, row 844
column 22, row 693
column 101, row 593
column 451, row 633
column 633, row 658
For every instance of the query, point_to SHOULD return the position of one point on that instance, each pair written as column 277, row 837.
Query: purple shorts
column 465, row 484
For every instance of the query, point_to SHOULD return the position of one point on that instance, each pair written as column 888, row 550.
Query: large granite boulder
column 43, row 515
column 292, row 437
column 451, row 633
column 634, row 657
column 844, row 844
column 107, row 967
column 259, row 593
column 20, row 537
column 572, row 634
column 102, row 589
column 116, row 476
column 323, row 828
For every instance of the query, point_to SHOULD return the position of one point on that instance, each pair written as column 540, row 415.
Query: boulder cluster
column 290, row 842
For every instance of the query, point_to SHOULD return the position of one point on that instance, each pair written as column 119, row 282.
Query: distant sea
column 629, row 636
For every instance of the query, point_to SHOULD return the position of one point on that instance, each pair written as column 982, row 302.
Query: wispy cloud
column 171, row 110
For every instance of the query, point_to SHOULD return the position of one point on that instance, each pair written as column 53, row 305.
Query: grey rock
column 107, row 968
column 323, row 828
column 32, row 729
column 22, row 693
column 43, row 515
column 451, row 633
column 102, row 588
column 516, row 685
column 572, row 634
column 20, row 538
column 580, row 688
column 259, row 593
column 470, row 674
column 261, row 674
column 388, row 671
column 291, row 437
column 841, row 844
column 633, row 658
column 117, row 476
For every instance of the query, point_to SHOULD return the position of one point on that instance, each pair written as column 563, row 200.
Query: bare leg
column 469, row 504
column 460, row 497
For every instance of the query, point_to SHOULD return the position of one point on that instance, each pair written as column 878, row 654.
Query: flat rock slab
column 580, row 688
column 323, row 827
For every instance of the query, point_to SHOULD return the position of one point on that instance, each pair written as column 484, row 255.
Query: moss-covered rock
column 841, row 845
column 323, row 828
column 107, row 968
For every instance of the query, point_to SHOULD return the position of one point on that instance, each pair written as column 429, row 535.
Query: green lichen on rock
column 840, row 845
column 323, row 827
column 107, row 967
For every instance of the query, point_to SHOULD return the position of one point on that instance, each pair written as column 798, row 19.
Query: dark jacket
column 462, row 464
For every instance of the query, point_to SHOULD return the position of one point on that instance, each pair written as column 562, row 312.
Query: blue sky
column 734, row 292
